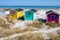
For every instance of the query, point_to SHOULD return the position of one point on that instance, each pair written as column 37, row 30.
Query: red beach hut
column 52, row 16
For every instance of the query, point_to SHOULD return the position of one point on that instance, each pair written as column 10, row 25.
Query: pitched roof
column 34, row 10
column 19, row 9
column 7, row 9
column 51, row 11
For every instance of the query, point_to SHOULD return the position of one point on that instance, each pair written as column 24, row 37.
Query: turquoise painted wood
column 35, row 16
column 29, row 15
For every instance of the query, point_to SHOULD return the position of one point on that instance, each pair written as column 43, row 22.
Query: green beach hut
column 30, row 15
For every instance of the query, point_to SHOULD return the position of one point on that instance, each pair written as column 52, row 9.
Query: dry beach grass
column 54, row 36
column 8, row 32
column 53, row 24
column 5, row 30
column 29, row 36
column 36, row 24
column 4, row 23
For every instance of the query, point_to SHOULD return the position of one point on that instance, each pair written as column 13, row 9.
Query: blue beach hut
column 30, row 15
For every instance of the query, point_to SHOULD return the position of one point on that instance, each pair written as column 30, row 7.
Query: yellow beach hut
column 15, row 14
column 19, row 13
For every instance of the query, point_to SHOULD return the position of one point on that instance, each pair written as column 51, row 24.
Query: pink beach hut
column 52, row 16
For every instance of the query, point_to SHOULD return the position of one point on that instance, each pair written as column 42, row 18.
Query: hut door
column 28, row 15
column 13, row 14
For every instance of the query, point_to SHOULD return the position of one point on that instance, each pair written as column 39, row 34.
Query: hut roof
column 19, row 9
column 7, row 9
column 51, row 11
column 34, row 10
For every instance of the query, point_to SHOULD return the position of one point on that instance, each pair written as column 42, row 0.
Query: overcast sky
column 30, row 2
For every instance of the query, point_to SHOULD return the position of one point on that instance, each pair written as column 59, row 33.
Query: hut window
column 13, row 12
column 52, row 17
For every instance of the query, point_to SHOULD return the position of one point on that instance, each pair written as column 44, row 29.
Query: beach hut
column 13, row 14
column 16, row 14
column 7, row 11
column 20, row 15
column 30, row 15
column 52, row 16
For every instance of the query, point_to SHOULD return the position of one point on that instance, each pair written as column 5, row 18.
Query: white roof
column 53, row 11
